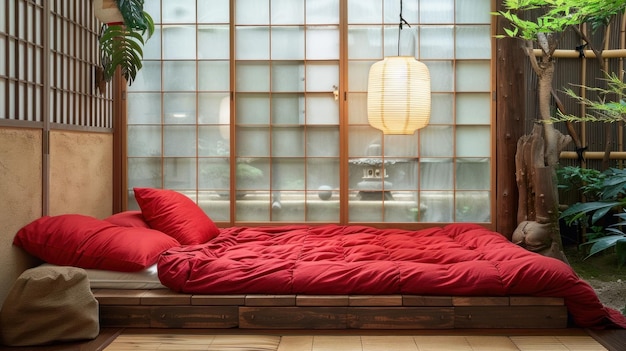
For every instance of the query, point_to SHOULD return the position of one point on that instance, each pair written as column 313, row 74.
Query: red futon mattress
column 455, row 260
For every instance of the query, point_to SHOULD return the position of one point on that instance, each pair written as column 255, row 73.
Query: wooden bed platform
column 163, row 308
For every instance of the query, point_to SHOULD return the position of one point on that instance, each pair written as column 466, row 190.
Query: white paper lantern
column 398, row 95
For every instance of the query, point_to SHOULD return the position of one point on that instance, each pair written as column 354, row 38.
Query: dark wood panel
column 194, row 317
column 401, row 318
column 293, row 317
column 125, row 316
column 510, row 317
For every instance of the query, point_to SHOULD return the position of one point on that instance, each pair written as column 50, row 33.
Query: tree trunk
column 536, row 160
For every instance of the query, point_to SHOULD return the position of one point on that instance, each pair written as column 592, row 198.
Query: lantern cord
column 402, row 22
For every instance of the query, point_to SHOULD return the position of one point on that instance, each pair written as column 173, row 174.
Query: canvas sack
column 49, row 304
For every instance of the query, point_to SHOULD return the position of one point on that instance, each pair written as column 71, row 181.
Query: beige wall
column 81, row 173
column 21, row 189
column 80, row 182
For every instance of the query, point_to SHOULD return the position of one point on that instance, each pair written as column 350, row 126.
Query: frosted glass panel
column 179, row 11
column 365, row 11
column 441, row 110
column 358, row 73
column 437, row 174
column 438, row 206
column 437, row 11
column 473, row 141
column 287, row 142
column 252, row 12
column 437, row 142
column 401, row 146
column 437, row 42
column 144, row 141
column 179, row 108
column 287, row 109
column 357, row 108
column 213, row 75
column 365, row 42
column 179, row 75
column 473, row 174
column 213, row 42
column 213, row 108
column 144, row 172
column 154, row 9
column 287, row 43
column 287, row 11
column 152, row 47
column 148, row 78
column 210, row 142
column 214, row 11
column 322, row 43
column 322, row 110
column 253, row 109
column 473, row 42
column 287, row 77
column 473, row 76
column 322, row 142
column 322, row 172
column 322, row 77
column 473, row 108
column 322, row 11
column 179, row 173
column 179, row 141
column 252, row 43
column 144, row 108
column 473, row 206
column 288, row 174
column 253, row 142
column 475, row 11
column 441, row 76
column 179, row 42
column 253, row 77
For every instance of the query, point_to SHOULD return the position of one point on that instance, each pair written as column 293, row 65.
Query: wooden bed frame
column 164, row 308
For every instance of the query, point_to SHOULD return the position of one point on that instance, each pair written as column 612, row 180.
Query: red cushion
column 175, row 214
column 88, row 242
column 128, row 219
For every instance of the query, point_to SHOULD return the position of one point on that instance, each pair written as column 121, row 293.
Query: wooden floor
column 358, row 340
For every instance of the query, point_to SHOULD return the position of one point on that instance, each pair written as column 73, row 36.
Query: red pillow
column 175, row 214
column 128, row 219
column 88, row 242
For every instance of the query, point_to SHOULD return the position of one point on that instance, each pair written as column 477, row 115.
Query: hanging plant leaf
column 121, row 47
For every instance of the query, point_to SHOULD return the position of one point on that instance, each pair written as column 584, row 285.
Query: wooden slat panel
column 401, row 318
column 118, row 297
column 292, row 318
column 322, row 300
column 270, row 300
column 536, row 301
column 163, row 297
column 510, row 317
column 218, row 300
column 480, row 301
column 376, row 300
column 194, row 317
column 125, row 316
column 415, row 300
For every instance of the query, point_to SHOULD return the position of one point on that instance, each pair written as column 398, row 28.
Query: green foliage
column 556, row 17
column 121, row 45
column 609, row 187
column 614, row 239
column 586, row 180
column 604, row 109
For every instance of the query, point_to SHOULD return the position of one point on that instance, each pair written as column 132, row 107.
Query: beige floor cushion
column 49, row 304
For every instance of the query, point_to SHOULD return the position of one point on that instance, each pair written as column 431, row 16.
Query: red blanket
column 456, row 260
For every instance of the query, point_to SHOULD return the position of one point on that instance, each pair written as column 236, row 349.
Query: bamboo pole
column 562, row 53
column 594, row 155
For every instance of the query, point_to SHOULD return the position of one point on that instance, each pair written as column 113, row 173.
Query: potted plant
column 126, row 29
